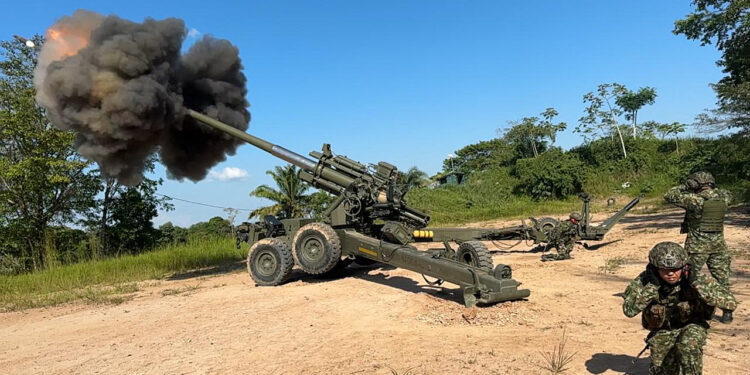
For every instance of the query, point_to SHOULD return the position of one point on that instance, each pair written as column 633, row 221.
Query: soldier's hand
column 692, row 273
column 685, row 310
column 658, row 311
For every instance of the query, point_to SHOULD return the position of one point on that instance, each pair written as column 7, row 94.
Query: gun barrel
column 278, row 151
column 275, row 150
column 610, row 222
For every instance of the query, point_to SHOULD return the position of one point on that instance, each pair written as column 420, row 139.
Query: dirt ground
column 376, row 321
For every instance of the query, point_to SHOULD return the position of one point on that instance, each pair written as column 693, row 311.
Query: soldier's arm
column 727, row 195
column 714, row 293
column 679, row 196
column 638, row 296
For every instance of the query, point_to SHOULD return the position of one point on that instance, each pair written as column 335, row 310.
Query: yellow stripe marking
column 368, row 251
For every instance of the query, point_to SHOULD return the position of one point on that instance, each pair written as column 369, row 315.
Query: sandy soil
column 374, row 320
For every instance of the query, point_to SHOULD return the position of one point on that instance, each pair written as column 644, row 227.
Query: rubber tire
column 331, row 248
column 282, row 254
column 547, row 224
column 474, row 253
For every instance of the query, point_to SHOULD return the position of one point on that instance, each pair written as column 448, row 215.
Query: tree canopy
column 725, row 23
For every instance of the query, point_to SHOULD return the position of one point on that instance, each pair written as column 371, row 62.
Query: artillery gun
column 536, row 230
column 369, row 219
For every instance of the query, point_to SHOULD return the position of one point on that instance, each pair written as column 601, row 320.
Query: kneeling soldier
column 676, row 305
column 563, row 238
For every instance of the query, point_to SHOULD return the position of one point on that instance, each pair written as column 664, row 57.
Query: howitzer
column 536, row 230
column 369, row 219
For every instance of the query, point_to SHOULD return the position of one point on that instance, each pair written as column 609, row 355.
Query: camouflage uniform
column 563, row 237
column 702, row 247
column 677, row 317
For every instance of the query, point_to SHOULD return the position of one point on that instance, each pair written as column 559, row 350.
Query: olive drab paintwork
column 537, row 230
column 369, row 219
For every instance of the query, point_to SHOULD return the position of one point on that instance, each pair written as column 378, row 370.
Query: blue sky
column 409, row 82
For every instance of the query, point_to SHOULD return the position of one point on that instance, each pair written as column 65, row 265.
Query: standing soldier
column 705, row 207
column 676, row 303
column 563, row 237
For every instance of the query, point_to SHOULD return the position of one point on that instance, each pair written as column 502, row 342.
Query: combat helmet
column 668, row 255
column 575, row 216
column 699, row 179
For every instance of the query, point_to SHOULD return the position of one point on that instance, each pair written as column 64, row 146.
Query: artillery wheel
column 317, row 248
column 547, row 224
column 474, row 253
column 269, row 262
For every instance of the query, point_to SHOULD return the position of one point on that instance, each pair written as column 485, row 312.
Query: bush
column 553, row 174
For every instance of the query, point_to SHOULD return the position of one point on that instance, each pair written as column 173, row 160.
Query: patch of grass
column 93, row 281
column 611, row 265
column 559, row 358
column 407, row 372
column 184, row 289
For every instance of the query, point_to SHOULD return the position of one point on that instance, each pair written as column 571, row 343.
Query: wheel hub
column 267, row 264
column 312, row 250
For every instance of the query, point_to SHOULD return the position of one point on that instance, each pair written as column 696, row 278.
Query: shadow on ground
column 397, row 282
column 506, row 250
column 210, row 271
column 619, row 363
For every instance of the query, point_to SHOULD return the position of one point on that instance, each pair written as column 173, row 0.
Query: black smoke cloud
column 126, row 91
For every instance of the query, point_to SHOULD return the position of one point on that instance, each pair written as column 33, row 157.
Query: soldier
column 676, row 304
column 563, row 237
column 705, row 207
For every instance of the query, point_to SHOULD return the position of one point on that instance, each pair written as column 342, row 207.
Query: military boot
column 727, row 317
column 548, row 257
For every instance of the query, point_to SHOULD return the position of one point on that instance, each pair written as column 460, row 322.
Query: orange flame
column 66, row 42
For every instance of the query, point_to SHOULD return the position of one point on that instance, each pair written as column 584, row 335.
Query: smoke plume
column 123, row 87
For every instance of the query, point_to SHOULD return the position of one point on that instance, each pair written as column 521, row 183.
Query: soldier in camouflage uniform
column 563, row 237
column 676, row 304
column 705, row 207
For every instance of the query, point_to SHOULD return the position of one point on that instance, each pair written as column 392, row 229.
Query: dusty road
column 375, row 320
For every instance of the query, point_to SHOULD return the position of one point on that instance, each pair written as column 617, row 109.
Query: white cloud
column 193, row 33
column 229, row 174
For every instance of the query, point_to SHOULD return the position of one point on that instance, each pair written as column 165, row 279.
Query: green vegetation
column 726, row 24
column 611, row 265
column 289, row 198
column 559, row 358
column 501, row 184
column 102, row 281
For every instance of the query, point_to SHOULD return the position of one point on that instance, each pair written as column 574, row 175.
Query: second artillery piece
column 369, row 219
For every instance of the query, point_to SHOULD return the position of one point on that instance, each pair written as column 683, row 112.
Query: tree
column 632, row 101
column 318, row 202
column 130, row 226
column 601, row 114
column 143, row 195
column 215, row 226
column 549, row 128
column 552, row 175
column 171, row 234
column 525, row 132
column 480, row 156
column 43, row 180
column 725, row 23
column 665, row 130
column 289, row 199
column 413, row 178
column 532, row 131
